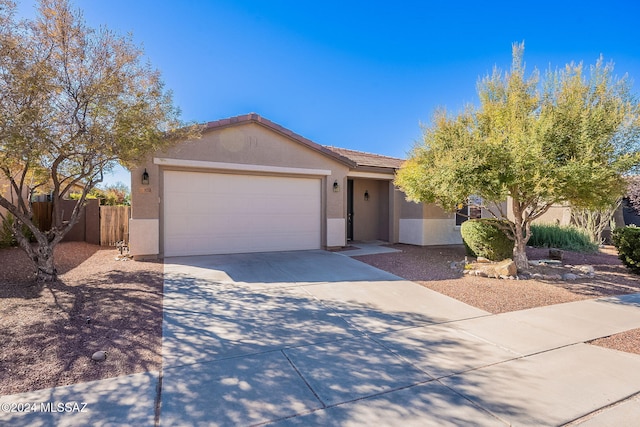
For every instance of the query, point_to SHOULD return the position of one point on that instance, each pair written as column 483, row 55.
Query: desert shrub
column 627, row 241
column 565, row 237
column 6, row 235
column 483, row 237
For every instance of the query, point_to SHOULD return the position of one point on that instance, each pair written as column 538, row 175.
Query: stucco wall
column 429, row 232
column 371, row 218
column 558, row 214
column 383, row 209
column 366, row 214
column 8, row 193
column 426, row 224
column 245, row 144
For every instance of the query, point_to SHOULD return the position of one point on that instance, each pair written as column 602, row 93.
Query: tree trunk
column 41, row 254
column 520, row 254
column 46, row 269
column 520, row 239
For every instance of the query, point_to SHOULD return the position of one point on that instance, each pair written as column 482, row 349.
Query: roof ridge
column 363, row 152
column 257, row 118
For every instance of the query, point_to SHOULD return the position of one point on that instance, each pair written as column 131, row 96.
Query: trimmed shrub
column 483, row 237
column 627, row 241
column 568, row 237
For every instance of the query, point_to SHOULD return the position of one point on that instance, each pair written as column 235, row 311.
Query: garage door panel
column 207, row 213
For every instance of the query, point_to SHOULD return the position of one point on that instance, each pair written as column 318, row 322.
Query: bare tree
column 73, row 102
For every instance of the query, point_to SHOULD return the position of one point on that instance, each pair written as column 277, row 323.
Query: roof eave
column 258, row 119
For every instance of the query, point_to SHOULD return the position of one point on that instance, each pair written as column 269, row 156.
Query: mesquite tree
column 531, row 143
column 73, row 102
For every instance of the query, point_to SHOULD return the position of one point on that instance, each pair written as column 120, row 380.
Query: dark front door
column 349, row 209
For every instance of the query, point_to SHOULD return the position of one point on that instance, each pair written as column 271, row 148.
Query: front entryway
column 350, row 210
column 368, row 209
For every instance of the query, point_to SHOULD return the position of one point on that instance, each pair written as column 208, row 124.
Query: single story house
column 251, row 185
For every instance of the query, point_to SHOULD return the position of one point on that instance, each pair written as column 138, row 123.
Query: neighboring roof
column 351, row 158
column 361, row 158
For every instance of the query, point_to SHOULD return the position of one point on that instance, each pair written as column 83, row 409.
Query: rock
column 524, row 276
column 537, row 276
column 483, row 260
column 506, row 268
column 545, row 262
column 99, row 356
column 555, row 254
column 552, row 277
column 586, row 269
column 456, row 265
column 569, row 276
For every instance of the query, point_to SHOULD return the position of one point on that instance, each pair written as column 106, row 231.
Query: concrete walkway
column 367, row 248
column 315, row 338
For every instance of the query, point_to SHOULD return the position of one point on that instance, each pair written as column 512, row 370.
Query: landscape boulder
column 506, row 268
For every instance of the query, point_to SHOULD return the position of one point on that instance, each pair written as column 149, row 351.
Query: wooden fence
column 114, row 224
column 106, row 226
column 42, row 214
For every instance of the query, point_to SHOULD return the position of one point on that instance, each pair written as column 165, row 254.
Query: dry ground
column 48, row 333
column 430, row 267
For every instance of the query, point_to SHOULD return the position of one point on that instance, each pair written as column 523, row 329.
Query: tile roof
column 361, row 158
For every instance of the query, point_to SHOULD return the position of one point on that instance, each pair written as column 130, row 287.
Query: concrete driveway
column 316, row 338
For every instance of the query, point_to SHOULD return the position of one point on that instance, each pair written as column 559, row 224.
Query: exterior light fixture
column 366, row 195
column 336, row 186
column 145, row 177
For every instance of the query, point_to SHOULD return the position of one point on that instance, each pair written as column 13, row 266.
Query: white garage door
column 209, row 213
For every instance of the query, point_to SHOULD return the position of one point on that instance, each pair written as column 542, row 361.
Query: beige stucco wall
column 5, row 190
column 412, row 210
column 245, row 144
column 557, row 214
column 8, row 193
column 426, row 224
column 397, row 199
column 371, row 218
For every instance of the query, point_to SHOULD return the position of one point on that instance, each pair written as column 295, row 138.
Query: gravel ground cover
column 48, row 333
column 430, row 267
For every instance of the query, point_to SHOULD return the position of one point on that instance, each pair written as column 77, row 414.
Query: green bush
column 6, row 236
column 483, row 237
column 627, row 241
column 568, row 237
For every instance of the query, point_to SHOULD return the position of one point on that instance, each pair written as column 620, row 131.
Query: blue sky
column 356, row 74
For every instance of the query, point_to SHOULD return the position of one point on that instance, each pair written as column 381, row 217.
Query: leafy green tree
column 73, row 102
column 532, row 142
